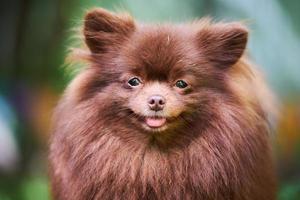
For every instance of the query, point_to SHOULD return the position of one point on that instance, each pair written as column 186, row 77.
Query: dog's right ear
column 103, row 30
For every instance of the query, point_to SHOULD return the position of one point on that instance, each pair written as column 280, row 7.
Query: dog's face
column 162, row 77
column 158, row 78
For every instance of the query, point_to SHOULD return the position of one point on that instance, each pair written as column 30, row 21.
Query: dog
column 163, row 111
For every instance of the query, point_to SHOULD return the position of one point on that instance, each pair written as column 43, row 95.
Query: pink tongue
column 155, row 122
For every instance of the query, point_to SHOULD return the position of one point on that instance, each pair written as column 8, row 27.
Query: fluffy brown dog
column 163, row 112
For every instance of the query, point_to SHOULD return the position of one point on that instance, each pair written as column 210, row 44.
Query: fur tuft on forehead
column 162, row 46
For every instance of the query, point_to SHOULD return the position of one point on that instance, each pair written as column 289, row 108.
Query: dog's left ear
column 104, row 30
column 222, row 44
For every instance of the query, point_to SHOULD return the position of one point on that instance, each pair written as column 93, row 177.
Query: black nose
column 156, row 102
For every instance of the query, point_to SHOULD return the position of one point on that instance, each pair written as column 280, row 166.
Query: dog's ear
column 103, row 30
column 222, row 44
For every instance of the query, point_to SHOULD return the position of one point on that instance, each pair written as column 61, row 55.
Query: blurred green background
column 36, row 35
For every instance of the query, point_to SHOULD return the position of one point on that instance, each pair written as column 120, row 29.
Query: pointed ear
column 223, row 44
column 103, row 30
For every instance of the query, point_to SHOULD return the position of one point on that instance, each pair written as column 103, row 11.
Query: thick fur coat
column 211, row 139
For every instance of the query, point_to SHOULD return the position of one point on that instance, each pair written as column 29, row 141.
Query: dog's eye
column 134, row 82
column 181, row 84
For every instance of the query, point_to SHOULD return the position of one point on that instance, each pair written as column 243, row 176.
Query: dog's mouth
column 155, row 122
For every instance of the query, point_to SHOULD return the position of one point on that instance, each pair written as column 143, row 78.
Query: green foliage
column 290, row 192
column 35, row 188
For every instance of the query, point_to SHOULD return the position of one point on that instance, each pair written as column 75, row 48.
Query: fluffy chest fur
column 226, row 159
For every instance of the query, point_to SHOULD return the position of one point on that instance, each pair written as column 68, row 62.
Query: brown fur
column 216, row 147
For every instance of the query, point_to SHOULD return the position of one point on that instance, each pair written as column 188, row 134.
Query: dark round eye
column 134, row 82
column 181, row 84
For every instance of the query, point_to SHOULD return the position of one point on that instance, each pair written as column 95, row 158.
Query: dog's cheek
column 137, row 103
column 174, row 106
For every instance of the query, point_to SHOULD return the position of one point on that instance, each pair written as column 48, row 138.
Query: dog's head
column 160, row 76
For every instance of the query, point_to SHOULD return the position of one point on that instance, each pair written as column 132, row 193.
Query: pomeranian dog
column 163, row 112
